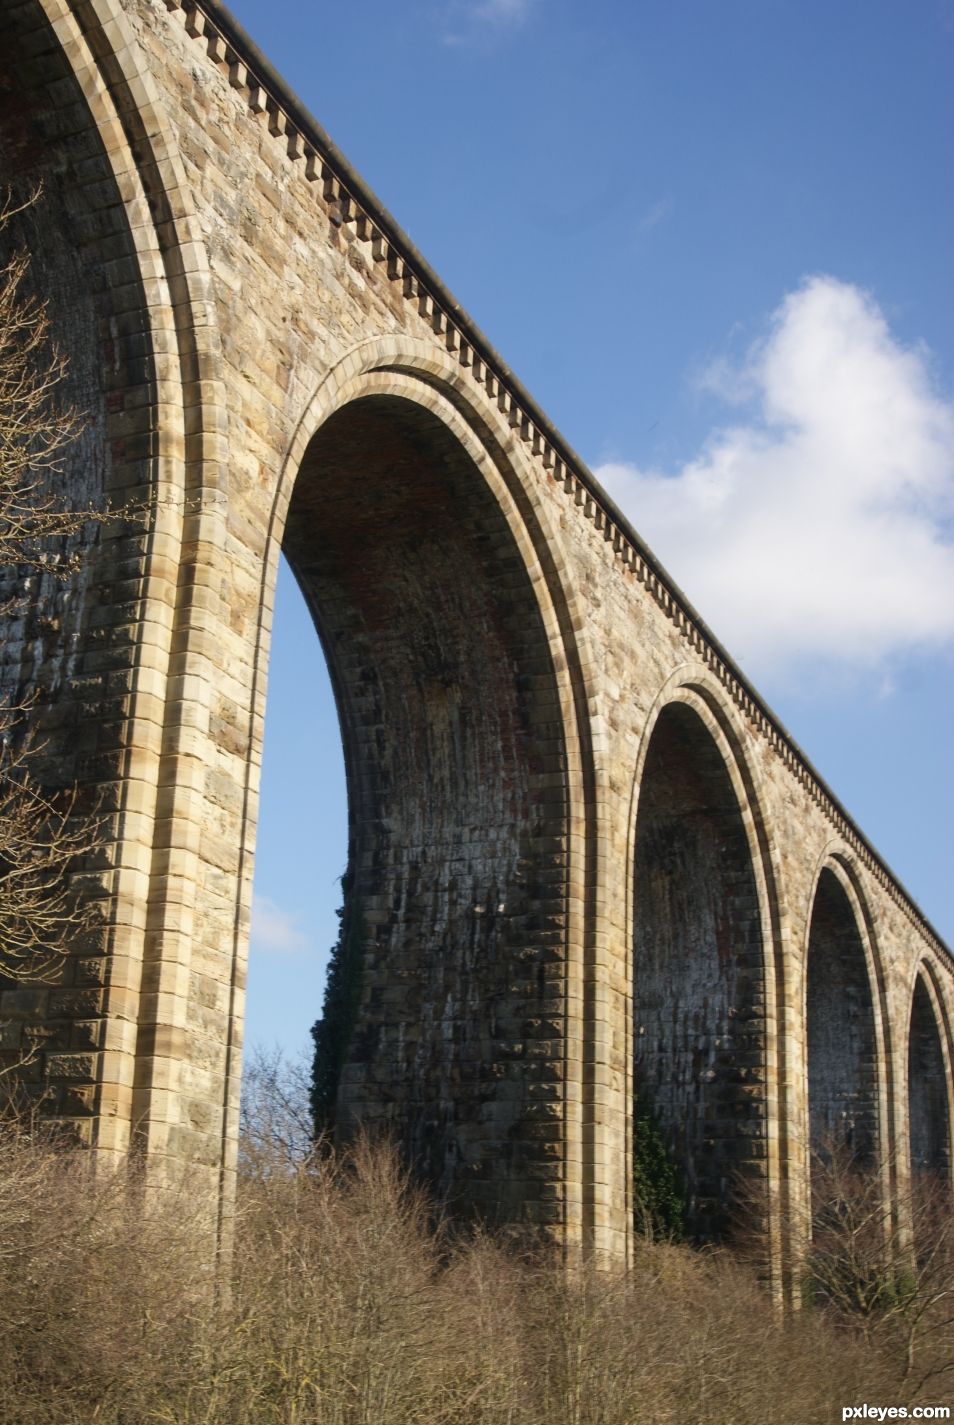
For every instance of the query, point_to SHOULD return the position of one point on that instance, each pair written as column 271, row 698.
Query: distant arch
column 929, row 1119
column 843, row 1022
column 705, row 917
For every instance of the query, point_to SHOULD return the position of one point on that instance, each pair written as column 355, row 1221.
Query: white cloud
column 821, row 528
column 274, row 930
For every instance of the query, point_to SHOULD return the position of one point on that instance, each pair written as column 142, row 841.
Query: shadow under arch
column 78, row 106
column 929, row 1080
column 846, row 1024
column 706, row 946
column 450, row 1013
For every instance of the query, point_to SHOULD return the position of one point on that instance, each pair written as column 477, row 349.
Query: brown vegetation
column 349, row 1305
column 884, row 1268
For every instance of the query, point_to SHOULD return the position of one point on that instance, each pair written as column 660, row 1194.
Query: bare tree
column 41, row 833
column 885, row 1268
column 40, row 840
column 35, row 426
column 277, row 1129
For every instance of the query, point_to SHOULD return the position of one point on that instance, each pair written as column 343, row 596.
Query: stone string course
column 304, row 142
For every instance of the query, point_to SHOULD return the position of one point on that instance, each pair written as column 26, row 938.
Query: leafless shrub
column 277, row 1128
column 41, row 839
column 882, row 1268
column 349, row 1304
column 686, row 1336
column 876, row 1263
column 35, row 426
column 363, row 1331
column 41, row 834
column 104, row 1295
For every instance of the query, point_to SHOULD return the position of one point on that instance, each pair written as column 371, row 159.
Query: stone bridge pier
column 586, row 862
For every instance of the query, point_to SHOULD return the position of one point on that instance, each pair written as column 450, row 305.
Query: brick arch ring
column 694, row 686
column 929, row 973
column 838, row 859
column 402, row 368
column 928, row 970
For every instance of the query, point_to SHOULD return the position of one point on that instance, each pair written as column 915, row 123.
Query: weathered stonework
column 581, row 847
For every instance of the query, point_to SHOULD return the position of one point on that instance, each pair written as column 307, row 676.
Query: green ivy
column 333, row 1031
column 658, row 1193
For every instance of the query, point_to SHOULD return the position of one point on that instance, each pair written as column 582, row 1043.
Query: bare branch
column 36, row 428
column 42, row 836
column 42, row 833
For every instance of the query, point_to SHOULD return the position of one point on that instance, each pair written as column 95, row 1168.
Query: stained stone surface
column 581, row 848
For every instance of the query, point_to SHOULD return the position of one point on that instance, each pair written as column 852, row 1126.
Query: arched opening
column 698, row 980
column 70, row 640
column 301, row 846
column 842, row 1062
column 443, row 1017
column 46, row 618
column 927, row 1090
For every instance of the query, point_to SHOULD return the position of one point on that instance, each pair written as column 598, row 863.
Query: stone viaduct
column 583, row 853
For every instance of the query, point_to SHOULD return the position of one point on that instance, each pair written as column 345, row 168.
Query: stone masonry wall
column 503, row 648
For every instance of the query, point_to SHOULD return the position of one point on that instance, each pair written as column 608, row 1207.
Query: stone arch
column 115, row 217
column 706, row 930
column 929, row 1080
column 845, row 1023
column 418, row 547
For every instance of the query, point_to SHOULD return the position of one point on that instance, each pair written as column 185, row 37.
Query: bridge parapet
column 346, row 200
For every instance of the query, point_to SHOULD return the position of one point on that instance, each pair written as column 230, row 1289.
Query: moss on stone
column 332, row 1033
column 658, row 1194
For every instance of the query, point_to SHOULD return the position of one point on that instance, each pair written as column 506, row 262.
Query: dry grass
column 347, row 1305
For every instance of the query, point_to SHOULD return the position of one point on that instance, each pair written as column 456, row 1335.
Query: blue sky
column 714, row 240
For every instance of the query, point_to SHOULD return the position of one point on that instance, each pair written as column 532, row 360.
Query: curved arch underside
column 929, row 1126
column 698, row 969
column 59, row 228
column 841, row 1043
column 74, row 644
column 454, row 922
